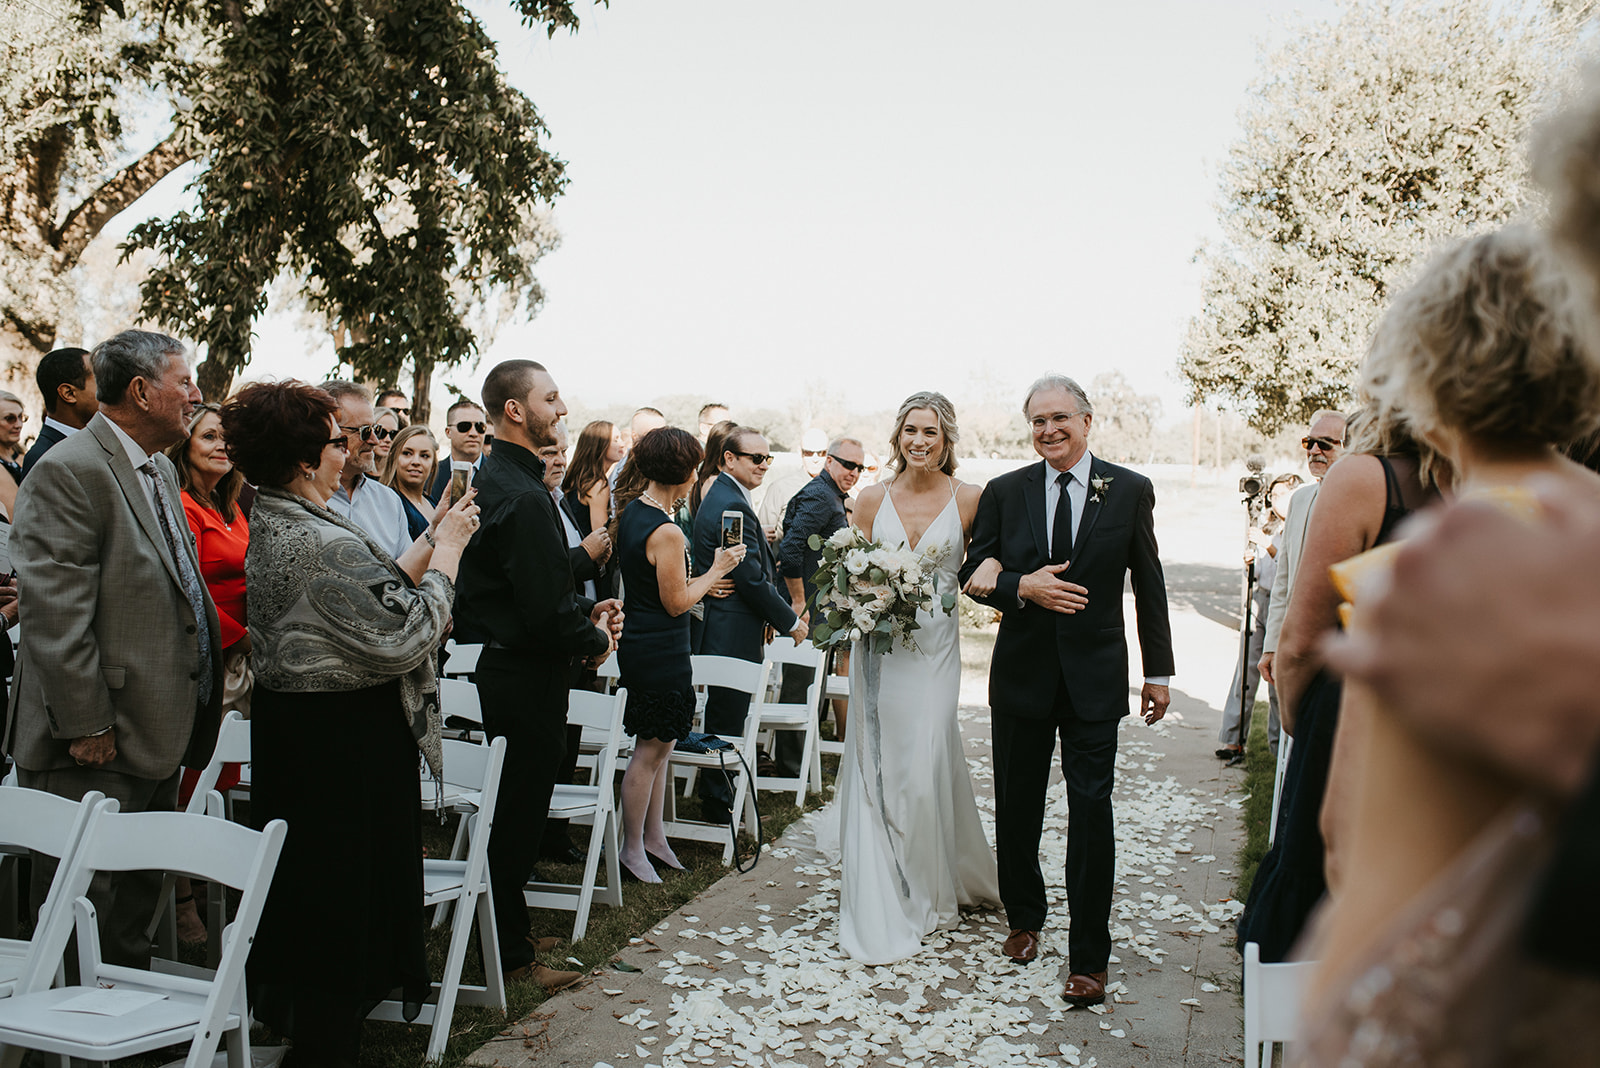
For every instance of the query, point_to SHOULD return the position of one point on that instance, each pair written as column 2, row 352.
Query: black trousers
column 525, row 702
column 1023, row 748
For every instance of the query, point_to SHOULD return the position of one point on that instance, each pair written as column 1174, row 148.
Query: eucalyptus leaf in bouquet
column 867, row 592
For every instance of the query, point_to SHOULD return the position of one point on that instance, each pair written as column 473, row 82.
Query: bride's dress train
column 912, row 849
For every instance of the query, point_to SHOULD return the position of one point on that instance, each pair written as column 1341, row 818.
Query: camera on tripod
column 1253, row 489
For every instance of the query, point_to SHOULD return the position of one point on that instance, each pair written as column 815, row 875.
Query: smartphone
column 732, row 528
column 460, row 479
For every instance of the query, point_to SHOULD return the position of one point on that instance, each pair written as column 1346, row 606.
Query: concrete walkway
column 750, row 972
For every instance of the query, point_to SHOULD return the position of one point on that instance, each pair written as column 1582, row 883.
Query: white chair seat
column 56, row 1030
column 442, row 880
column 569, row 801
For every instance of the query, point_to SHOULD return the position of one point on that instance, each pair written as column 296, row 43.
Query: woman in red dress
column 211, row 488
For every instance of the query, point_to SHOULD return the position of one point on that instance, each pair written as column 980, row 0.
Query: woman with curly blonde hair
column 1437, row 854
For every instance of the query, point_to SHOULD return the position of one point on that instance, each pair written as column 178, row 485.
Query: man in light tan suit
column 119, row 673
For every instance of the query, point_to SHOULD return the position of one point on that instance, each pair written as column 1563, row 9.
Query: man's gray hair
column 339, row 389
column 131, row 354
column 1058, row 381
column 1328, row 413
column 833, row 446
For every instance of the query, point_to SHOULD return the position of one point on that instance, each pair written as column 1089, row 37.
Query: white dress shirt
column 61, row 428
column 1078, row 496
column 378, row 510
column 574, row 539
column 138, row 458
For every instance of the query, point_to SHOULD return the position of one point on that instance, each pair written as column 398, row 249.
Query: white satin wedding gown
column 912, row 849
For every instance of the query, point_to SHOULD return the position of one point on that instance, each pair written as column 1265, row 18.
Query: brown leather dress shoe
column 551, row 979
column 1021, row 946
column 1085, row 989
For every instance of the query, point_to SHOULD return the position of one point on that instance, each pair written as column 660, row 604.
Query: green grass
column 1257, row 786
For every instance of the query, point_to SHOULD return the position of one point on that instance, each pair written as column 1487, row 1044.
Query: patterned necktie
column 186, row 575
column 1061, row 528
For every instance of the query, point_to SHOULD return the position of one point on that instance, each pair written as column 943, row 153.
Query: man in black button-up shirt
column 817, row 509
column 515, row 593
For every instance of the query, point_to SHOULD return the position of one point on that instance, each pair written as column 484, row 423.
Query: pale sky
column 882, row 197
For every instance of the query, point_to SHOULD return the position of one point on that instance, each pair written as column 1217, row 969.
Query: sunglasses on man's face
column 848, row 465
column 757, row 458
column 466, row 426
column 813, row 452
column 364, row 432
column 1325, row 444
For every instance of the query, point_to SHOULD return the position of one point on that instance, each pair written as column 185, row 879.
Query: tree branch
column 85, row 221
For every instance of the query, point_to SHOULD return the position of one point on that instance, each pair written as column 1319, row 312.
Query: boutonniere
column 1099, row 484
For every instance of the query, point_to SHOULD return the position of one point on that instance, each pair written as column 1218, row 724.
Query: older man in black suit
column 734, row 625
column 1065, row 532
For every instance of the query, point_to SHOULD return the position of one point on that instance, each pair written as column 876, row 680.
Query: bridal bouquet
column 865, row 591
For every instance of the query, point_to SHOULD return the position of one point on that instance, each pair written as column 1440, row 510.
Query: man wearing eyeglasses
column 396, row 402
column 1323, row 443
column 361, row 498
column 817, row 509
column 734, row 625
column 465, row 427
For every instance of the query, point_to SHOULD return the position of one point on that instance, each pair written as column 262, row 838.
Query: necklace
column 655, row 502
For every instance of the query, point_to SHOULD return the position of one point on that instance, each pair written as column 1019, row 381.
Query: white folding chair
column 776, row 716
column 610, row 673
column 747, row 677
column 1285, row 743
column 835, row 688
column 597, row 803
column 462, row 661
column 1272, row 996
column 161, row 1009
column 32, row 820
column 233, row 747
column 459, row 709
column 461, row 887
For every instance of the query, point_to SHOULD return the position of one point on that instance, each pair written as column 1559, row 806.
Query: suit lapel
column 1091, row 508
column 1033, row 501
column 133, row 491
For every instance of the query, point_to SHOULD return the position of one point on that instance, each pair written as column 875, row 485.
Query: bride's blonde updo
column 944, row 411
column 1484, row 344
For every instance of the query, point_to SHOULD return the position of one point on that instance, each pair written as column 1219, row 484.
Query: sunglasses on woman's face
column 382, row 433
column 466, row 426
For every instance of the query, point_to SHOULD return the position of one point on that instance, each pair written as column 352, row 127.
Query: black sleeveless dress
column 1290, row 880
column 653, row 652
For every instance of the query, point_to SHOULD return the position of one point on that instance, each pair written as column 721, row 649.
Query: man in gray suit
column 119, row 674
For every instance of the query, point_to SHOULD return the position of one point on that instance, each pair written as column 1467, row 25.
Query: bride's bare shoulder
column 867, row 505
column 967, row 502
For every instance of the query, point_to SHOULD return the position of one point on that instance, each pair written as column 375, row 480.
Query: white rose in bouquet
column 862, row 618
column 855, row 561
column 842, row 537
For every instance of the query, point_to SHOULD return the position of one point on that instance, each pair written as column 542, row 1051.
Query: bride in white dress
column 912, row 849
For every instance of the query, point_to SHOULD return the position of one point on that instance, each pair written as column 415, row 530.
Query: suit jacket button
column 189, row 628
column 194, row 676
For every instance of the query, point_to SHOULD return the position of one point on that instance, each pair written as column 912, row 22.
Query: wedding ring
column 82, row 762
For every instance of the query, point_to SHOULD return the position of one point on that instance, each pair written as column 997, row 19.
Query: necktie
column 186, row 575
column 1061, row 527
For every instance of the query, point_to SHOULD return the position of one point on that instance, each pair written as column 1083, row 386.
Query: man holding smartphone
column 735, row 625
